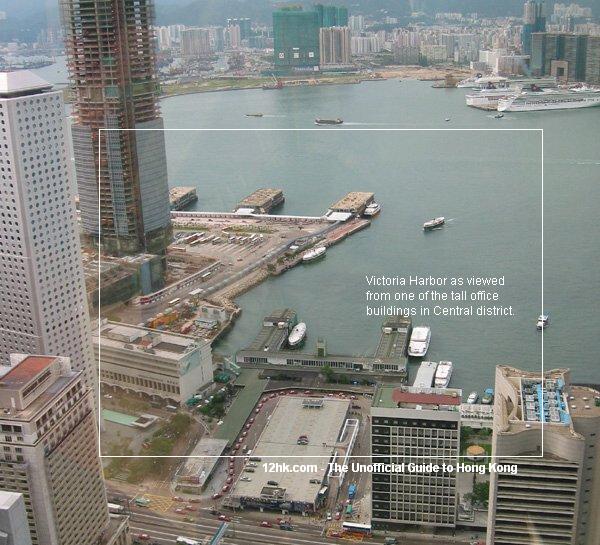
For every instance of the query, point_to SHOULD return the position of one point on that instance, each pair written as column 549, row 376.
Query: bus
column 142, row 502
column 186, row 541
column 115, row 508
column 174, row 302
column 355, row 528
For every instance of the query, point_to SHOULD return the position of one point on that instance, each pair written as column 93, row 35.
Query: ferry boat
column 258, row 114
column 432, row 224
column 473, row 397
column 336, row 121
column 443, row 374
column 543, row 321
column 372, row 210
column 297, row 334
column 550, row 99
column 419, row 341
column 314, row 254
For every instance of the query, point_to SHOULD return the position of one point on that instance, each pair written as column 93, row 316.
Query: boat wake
column 359, row 123
column 274, row 115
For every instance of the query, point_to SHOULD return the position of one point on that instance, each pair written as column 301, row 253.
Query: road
column 165, row 530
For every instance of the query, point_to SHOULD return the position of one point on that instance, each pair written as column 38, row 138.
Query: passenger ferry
column 434, row 223
column 373, row 209
column 443, row 374
column 543, row 321
column 419, row 341
column 297, row 334
column 336, row 121
column 314, row 254
column 550, row 99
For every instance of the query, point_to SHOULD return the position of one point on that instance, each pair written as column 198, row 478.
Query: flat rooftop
column 275, row 330
column 392, row 396
column 202, row 461
column 129, row 337
column 582, row 401
column 353, row 201
column 21, row 374
column 260, row 197
column 288, row 422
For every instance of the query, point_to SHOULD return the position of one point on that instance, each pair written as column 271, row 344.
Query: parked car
column 266, row 524
column 224, row 518
column 216, row 496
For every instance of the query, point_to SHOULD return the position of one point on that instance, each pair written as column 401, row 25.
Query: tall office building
column 14, row 529
column 121, row 172
column 43, row 304
column 334, row 45
column 49, row 450
column 296, row 39
column 534, row 20
column 554, row 498
column 414, row 425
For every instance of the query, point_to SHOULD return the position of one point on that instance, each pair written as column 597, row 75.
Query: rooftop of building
column 353, row 201
column 202, row 460
column 583, row 401
column 391, row 396
column 8, row 499
column 291, row 419
column 21, row 82
column 151, row 341
column 22, row 373
column 260, row 196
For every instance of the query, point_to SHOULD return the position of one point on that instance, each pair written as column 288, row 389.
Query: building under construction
column 121, row 172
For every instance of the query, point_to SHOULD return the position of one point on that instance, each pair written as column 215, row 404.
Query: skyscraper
column 332, row 15
column 49, row 450
column 296, row 39
column 414, row 425
column 549, row 428
column 534, row 20
column 121, row 174
column 43, row 304
column 14, row 529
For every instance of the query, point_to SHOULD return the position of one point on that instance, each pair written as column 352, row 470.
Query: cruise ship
column 485, row 82
column 419, row 341
column 443, row 374
column 550, row 99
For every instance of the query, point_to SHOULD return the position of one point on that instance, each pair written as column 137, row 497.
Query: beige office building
column 554, row 499
column 49, row 450
column 160, row 365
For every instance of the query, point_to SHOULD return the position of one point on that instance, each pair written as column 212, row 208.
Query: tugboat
column 434, row 223
column 499, row 116
column 255, row 115
column 543, row 322
column 297, row 334
column 336, row 121
column 314, row 254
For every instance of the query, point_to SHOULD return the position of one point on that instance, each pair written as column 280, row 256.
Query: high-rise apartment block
column 195, row 42
column 414, row 425
column 121, row 170
column 43, row 304
column 571, row 57
column 49, row 450
column 332, row 15
column 550, row 429
column 334, row 45
column 245, row 25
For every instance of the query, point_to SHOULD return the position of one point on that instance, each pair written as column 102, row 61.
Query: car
column 195, row 500
column 216, row 496
column 179, row 510
column 190, row 508
column 329, row 517
column 292, row 392
column 306, row 392
column 251, row 421
column 257, row 410
column 264, row 400
column 231, row 472
column 225, row 488
column 143, row 536
column 224, row 518
column 177, row 498
column 244, row 433
column 338, row 516
column 229, row 480
column 234, row 449
column 266, row 524
column 336, row 534
column 273, row 395
column 352, row 397
column 232, row 458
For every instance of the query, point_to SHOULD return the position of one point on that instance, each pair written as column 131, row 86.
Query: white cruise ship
column 485, row 82
column 419, row 341
column 443, row 374
column 487, row 99
column 550, row 99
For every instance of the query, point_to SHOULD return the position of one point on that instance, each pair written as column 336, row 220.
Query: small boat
column 499, row 116
column 297, row 334
column 258, row 114
column 488, row 396
column 336, row 121
column 543, row 321
column 432, row 224
column 314, row 254
column 443, row 374
column 447, row 119
column 419, row 341
column 473, row 397
column 372, row 210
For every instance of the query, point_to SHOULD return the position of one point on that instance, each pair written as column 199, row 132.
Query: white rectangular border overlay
column 100, row 131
